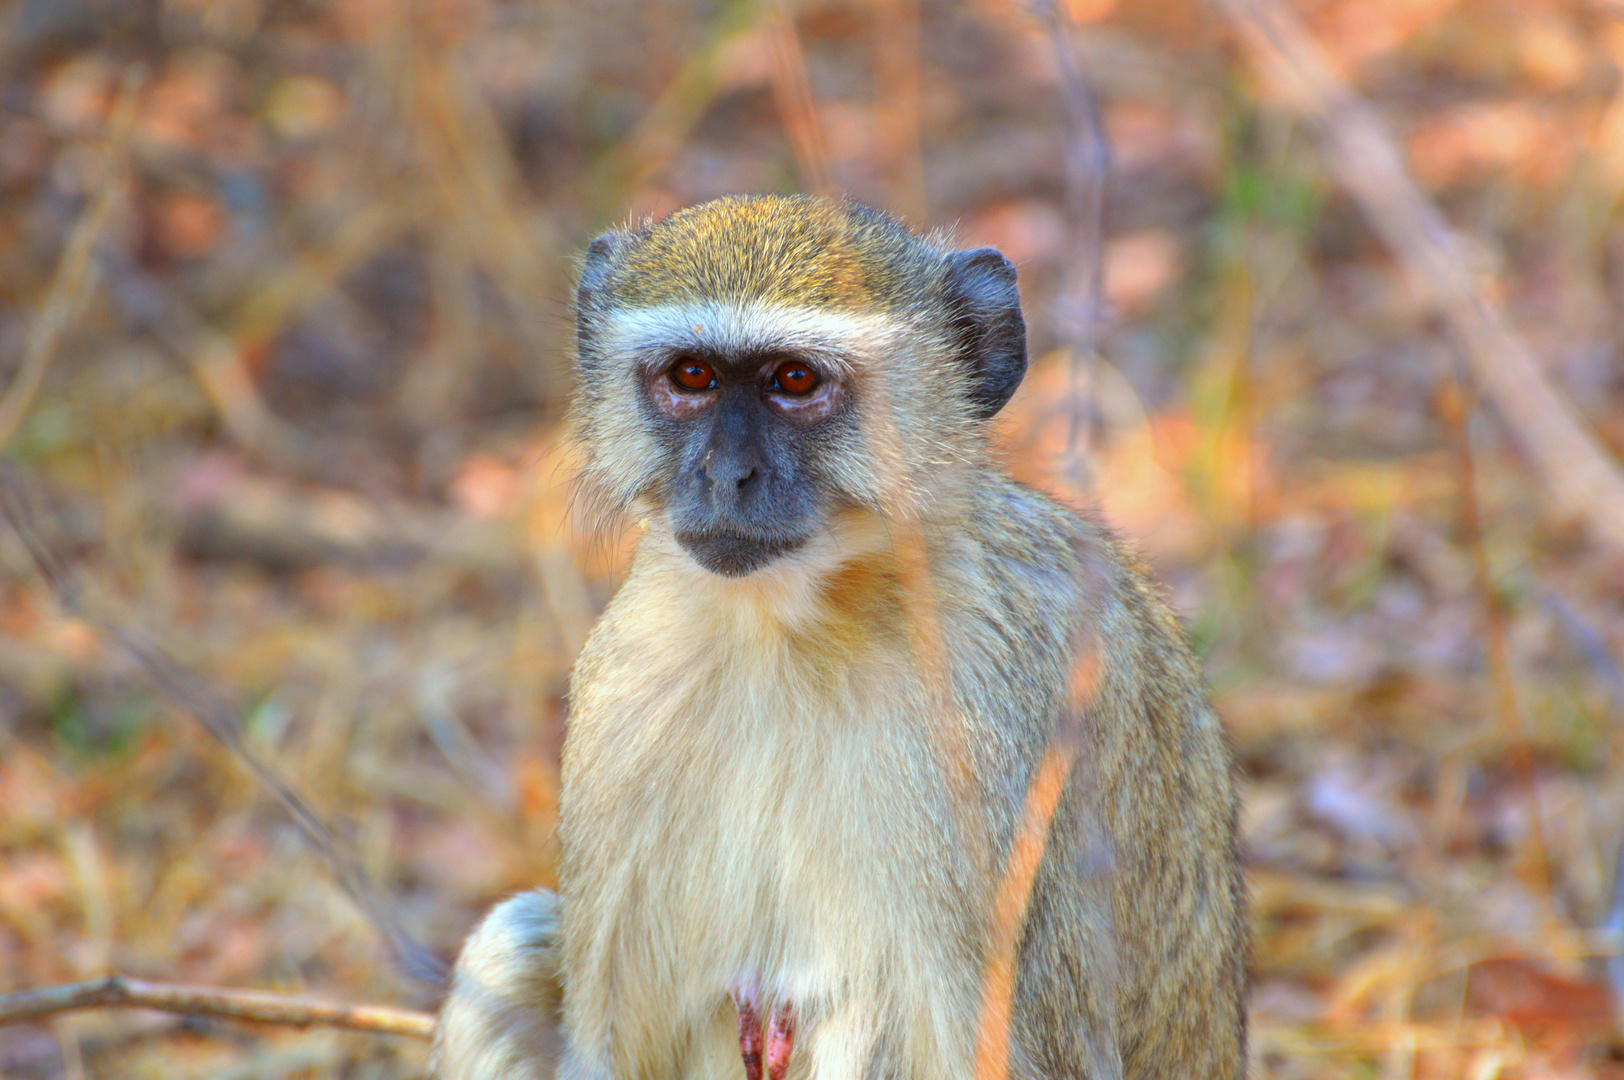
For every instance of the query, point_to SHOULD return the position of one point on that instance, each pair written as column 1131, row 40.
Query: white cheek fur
column 788, row 589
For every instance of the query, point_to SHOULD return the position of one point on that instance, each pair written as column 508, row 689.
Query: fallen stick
column 118, row 992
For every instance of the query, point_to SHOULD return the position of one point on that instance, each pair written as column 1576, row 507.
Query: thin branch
column 118, row 992
column 1582, row 481
column 660, row 133
column 66, row 292
column 214, row 707
column 216, row 355
column 1079, row 305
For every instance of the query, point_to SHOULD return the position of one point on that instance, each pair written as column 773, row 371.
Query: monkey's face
column 765, row 378
column 734, row 427
column 742, row 433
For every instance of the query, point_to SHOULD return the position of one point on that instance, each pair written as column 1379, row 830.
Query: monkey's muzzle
column 734, row 554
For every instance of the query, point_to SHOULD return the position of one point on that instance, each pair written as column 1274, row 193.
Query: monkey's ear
column 597, row 265
column 987, row 318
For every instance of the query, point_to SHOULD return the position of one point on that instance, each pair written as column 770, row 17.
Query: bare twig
column 214, row 708
column 67, row 289
column 118, row 992
column 1583, row 483
column 218, row 360
column 660, row 133
column 217, row 356
column 1080, row 301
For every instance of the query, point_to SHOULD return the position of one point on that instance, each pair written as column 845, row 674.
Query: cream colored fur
column 794, row 803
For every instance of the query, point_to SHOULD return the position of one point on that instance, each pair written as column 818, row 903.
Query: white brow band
column 652, row 334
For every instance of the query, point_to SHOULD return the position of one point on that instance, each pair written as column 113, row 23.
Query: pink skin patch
column 780, row 1041
column 749, row 1033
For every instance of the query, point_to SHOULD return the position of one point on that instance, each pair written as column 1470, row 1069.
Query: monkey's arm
column 501, row 1017
column 1137, row 917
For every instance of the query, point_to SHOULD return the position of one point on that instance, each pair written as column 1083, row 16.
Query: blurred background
column 284, row 352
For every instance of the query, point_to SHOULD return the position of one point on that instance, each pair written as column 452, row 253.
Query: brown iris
column 693, row 375
column 795, row 378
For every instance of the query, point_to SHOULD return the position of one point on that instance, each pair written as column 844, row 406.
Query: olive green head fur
column 791, row 251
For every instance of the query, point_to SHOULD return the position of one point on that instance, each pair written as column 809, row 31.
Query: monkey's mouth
column 734, row 554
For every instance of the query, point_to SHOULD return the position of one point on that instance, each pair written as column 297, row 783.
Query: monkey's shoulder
column 1020, row 548
column 1030, row 586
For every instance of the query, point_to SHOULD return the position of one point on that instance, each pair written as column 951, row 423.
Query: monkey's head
column 754, row 368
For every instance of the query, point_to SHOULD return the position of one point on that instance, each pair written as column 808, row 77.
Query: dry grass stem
column 895, row 49
column 1014, row 896
column 796, row 106
column 66, row 293
column 661, row 131
column 476, row 203
column 1534, row 865
column 1009, row 910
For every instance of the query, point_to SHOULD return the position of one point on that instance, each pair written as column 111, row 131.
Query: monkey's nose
column 727, row 472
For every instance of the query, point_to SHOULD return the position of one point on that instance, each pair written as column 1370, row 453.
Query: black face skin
column 741, row 431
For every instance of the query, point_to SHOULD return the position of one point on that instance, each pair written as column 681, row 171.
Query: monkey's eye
column 693, row 375
column 795, row 378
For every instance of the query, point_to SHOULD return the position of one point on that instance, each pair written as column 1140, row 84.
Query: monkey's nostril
column 744, row 481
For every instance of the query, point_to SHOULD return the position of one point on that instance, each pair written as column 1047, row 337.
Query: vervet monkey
column 802, row 735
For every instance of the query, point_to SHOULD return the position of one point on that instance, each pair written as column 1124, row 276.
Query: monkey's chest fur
column 755, row 818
